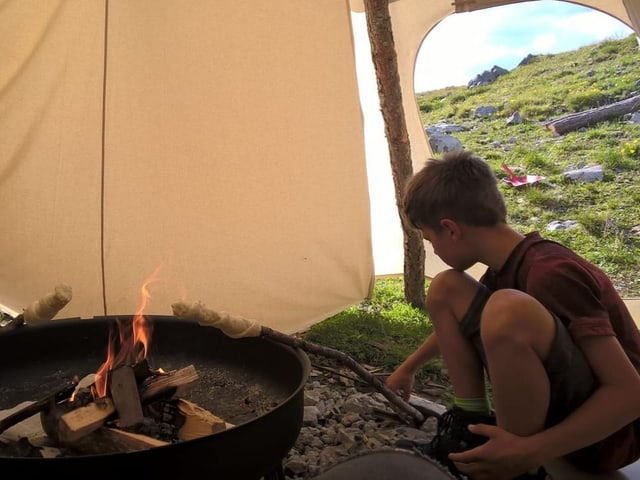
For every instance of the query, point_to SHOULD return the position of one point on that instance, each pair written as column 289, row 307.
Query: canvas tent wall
column 218, row 144
column 219, row 141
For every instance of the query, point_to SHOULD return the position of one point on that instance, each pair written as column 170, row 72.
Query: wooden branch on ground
column 349, row 362
column 578, row 120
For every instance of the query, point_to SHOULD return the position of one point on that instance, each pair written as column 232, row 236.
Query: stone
column 345, row 422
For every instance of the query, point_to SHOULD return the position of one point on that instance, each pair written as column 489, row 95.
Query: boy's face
column 448, row 245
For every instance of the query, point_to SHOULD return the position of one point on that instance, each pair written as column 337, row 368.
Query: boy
column 548, row 329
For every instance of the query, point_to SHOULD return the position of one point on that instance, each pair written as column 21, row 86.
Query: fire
column 130, row 344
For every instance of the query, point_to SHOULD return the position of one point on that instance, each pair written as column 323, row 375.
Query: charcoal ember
column 19, row 448
column 82, row 397
column 142, row 370
column 159, row 430
column 165, row 411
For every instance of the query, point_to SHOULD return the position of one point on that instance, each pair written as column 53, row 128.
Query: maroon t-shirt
column 584, row 299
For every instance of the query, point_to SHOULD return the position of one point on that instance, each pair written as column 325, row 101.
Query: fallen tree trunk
column 578, row 120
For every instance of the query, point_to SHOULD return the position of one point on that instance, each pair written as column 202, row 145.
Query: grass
column 381, row 331
column 384, row 330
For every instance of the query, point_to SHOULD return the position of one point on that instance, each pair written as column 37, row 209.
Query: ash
column 345, row 417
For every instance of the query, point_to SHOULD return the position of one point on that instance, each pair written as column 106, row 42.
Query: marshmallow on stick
column 234, row 327
column 48, row 306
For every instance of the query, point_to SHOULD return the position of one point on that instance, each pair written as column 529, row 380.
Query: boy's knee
column 515, row 314
column 450, row 282
column 506, row 300
column 451, row 291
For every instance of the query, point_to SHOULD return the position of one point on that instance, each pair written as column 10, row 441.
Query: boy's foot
column 451, row 436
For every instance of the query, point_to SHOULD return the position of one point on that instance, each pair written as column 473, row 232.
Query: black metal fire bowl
column 255, row 384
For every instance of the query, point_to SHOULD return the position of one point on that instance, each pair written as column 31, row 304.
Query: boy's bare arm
column 425, row 352
column 402, row 378
column 614, row 404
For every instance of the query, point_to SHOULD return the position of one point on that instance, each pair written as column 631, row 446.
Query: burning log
column 177, row 382
column 68, row 426
column 237, row 327
column 124, row 392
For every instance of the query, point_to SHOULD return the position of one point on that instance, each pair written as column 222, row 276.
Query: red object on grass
column 519, row 180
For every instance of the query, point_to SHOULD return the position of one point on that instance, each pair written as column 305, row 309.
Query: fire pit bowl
column 254, row 384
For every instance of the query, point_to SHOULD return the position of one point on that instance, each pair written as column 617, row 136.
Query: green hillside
column 545, row 89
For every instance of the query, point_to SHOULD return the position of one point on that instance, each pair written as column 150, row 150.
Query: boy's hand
column 401, row 382
column 503, row 457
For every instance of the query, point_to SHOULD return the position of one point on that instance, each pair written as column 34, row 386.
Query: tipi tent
column 215, row 149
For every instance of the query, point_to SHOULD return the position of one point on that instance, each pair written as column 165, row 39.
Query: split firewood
column 238, row 327
column 126, row 398
column 135, row 441
column 177, row 383
column 113, row 440
column 198, row 422
column 68, row 426
column 81, row 421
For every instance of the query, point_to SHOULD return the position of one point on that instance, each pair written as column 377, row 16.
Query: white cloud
column 463, row 45
column 546, row 42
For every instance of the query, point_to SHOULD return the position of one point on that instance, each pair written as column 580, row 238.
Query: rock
column 486, row 77
column 486, row 111
column 587, row 174
column 560, row 225
column 344, row 423
column 441, row 143
column 514, row 119
column 445, row 128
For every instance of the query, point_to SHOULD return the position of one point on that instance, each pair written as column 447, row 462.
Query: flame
column 130, row 344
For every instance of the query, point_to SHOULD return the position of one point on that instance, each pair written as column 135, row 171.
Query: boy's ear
column 451, row 227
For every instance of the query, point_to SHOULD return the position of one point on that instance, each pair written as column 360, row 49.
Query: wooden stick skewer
column 38, row 406
column 237, row 327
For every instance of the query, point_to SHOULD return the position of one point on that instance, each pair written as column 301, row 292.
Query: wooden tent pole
column 386, row 66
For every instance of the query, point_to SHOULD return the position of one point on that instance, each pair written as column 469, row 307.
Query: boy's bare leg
column 517, row 333
column 448, row 298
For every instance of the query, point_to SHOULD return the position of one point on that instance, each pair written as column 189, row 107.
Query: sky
column 464, row 45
